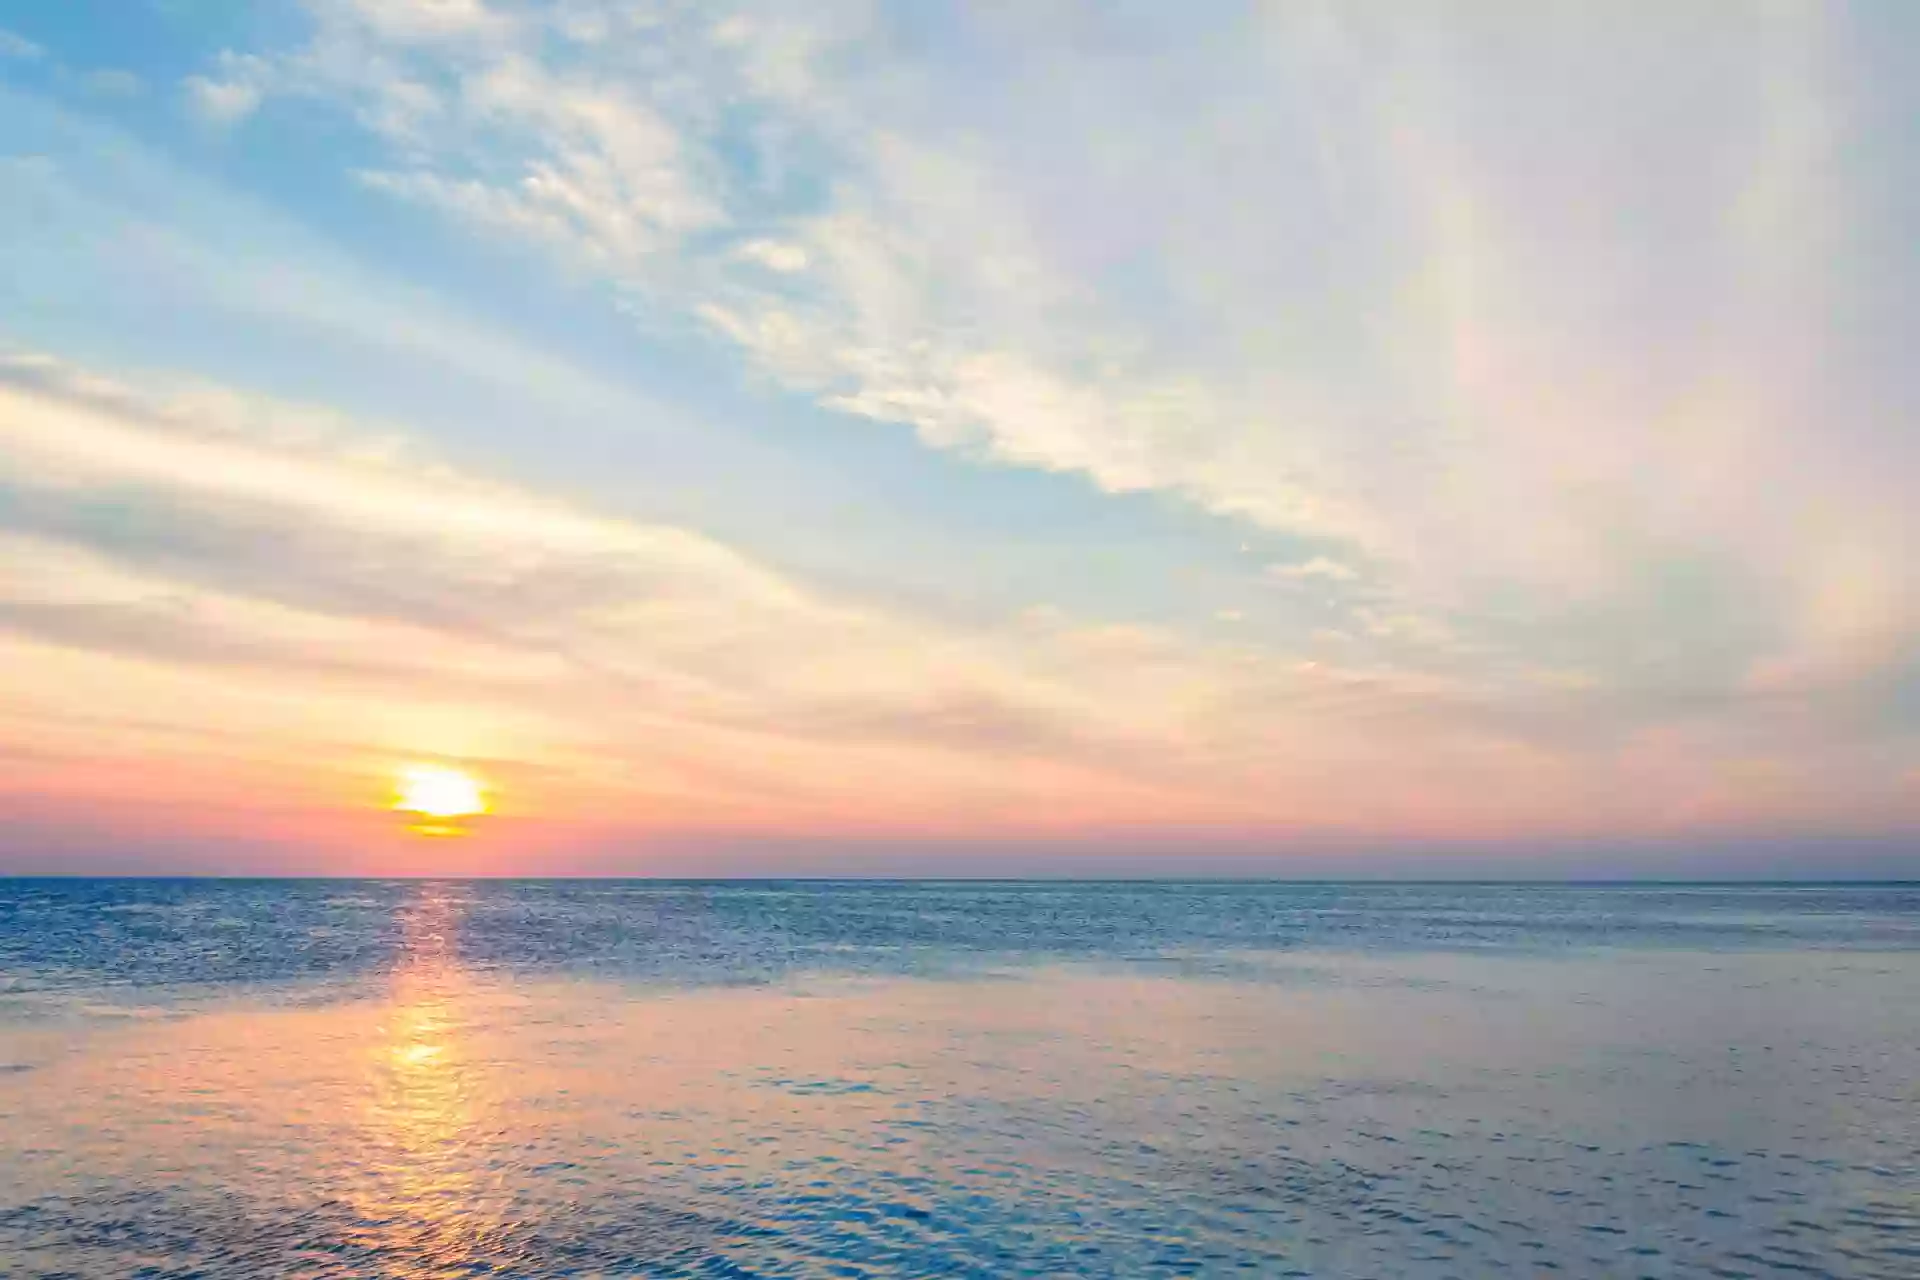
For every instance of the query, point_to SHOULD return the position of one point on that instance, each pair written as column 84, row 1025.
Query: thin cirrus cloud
column 1548, row 351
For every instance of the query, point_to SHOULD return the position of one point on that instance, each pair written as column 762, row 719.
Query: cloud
column 1350, row 319
column 19, row 47
column 428, row 20
column 222, row 102
column 1318, row 567
column 774, row 255
column 580, row 161
column 62, row 595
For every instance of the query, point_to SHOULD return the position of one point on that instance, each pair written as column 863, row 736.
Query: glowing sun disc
column 437, row 792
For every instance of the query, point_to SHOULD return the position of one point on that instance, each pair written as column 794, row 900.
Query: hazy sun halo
column 439, row 792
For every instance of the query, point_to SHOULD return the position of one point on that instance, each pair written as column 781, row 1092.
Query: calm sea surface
column 266, row 1079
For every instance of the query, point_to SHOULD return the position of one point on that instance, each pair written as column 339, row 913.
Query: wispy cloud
column 231, row 94
column 13, row 45
column 1318, row 567
column 1411, row 324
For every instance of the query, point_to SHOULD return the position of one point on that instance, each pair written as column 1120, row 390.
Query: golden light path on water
column 422, row 1199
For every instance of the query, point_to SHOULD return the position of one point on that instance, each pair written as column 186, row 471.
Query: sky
column 1003, row 438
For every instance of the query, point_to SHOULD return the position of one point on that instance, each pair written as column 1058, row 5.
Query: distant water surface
column 544, row 1078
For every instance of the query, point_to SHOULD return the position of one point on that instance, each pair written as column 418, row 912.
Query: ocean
column 630, row 1078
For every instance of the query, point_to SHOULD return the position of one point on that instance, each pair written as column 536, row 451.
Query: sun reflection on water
column 421, row 1204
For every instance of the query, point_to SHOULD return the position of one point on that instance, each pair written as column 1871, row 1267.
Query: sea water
column 543, row 1078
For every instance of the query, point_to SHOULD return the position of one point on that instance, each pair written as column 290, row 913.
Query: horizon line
column 1538, row 881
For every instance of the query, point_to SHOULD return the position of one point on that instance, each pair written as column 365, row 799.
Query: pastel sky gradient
column 1007, row 437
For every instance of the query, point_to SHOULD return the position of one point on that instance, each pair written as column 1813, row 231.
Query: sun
column 435, row 791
